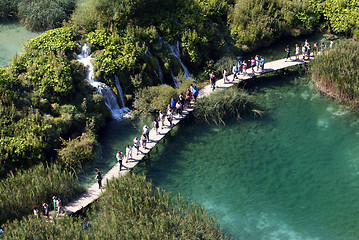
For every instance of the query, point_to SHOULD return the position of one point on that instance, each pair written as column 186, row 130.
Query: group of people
column 306, row 49
column 46, row 208
column 175, row 106
column 256, row 64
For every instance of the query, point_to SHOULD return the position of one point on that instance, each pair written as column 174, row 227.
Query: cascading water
column 160, row 73
column 120, row 92
column 174, row 78
column 105, row 91
column 176, row 52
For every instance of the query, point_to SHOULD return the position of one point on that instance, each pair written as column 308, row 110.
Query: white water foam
column 101, row 88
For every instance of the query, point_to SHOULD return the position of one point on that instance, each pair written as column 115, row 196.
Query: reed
column 221, row 104
column 32, row 187
column 130, row 208
column 336, row 72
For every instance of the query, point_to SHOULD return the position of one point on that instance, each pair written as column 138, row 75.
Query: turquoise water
column 294, row 174
column 12, row 38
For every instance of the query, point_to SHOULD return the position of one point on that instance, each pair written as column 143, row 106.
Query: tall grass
column 130, row 208
column 336, row 72
column 20, row 191
column 221, row 104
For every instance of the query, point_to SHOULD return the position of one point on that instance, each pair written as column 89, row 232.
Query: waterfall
column 119, row 90
column 176, row 52
column 101, row 88
column 174, row 79
column 160, row 73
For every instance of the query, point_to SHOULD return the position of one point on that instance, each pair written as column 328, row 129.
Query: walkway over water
column 93, row 192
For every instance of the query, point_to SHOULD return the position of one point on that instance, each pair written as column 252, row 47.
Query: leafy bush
column 139, row 212
column 77, row 151
column 152, row 99
column 336, row 72
column 20, row 191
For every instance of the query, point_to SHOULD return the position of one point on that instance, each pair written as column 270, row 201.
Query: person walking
column 262, row 63
column 170, row 116
column 234, row 71
column 59, row 206
column 136, row 144
column 257, row 62
column 212, row 80
column 194, row 92
column 120, row 156
column 297, row 50
column 225, row 73
column 46, row 210
column 155, row 125
column 99, row 178
column 54, row 200
column 35, row 211
column 173, row 103
column 179, row 108
column 244, row 64
column 253, row 64
column 143, row 141
column 146, row 132
column 287, row 50
column 128, row 153
column 315, row 49
column 304, row 51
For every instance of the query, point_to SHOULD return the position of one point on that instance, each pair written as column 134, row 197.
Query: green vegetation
column 221, row 104
column 37, row 14
column 336, row 72
column 23, row 189
column 139, row 211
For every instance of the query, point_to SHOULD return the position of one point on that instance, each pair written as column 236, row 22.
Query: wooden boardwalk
column 93, row 192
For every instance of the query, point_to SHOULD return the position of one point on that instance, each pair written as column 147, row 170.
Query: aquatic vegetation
column 26, row 188
column 221, row 104
column 336, row 72
column 139, row 212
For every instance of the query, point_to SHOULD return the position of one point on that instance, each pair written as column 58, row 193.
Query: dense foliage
column 336, row 72
column 24, row 189
column 138, row 212
column 37, row 14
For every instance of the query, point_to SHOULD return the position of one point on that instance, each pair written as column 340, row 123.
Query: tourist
column 244, row 64
column 182, row 100
column 120, row 156
column 170, row 116
column 315, row 49
column 262, row 63
column 99, row 181
column 212, row 80
column 54, row 200
column 306, row 43
column 143, row 141
column 287, row 50
column 304, row 51
column 225, row 75
column 173, row 103
column 128, row 152
column 239, row 66
column 155, row 125
column 146, row 132
column 322, row 47
column 234, row 71
column 297, row 50
column 179, row 108
column 188, row 98
column 161, row 117
column 257, row 62
column 253, row 64
column 308, row 52
column 331, row 44
column 46, row 210
column 59, row 206
column 194, row 92
column 35, row 211
column 136, row 144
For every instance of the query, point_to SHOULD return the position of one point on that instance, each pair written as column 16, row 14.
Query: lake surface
column 294, row 174
column 12, row 38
